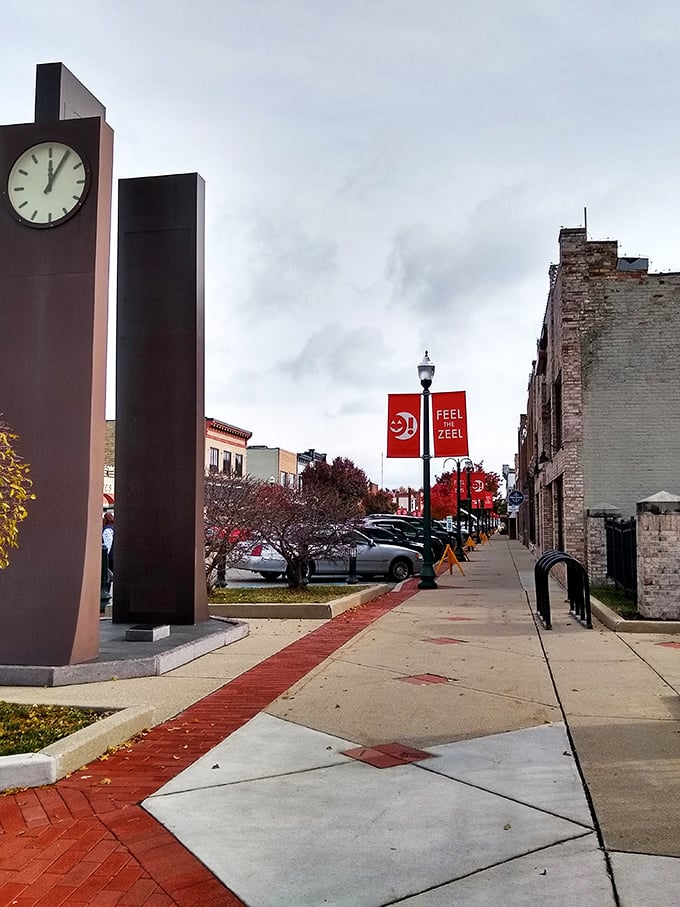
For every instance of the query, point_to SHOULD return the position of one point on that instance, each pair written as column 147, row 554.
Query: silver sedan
column 392, row 561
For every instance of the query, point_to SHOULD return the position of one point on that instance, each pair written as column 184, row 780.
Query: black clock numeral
column 23, row 172
column 79, row 164
column 65, row 210
column 49, row 217
column 79, row 182
column 23, row 204
column 34, row 214
column 75, row 197
column 34, row 159
column 19, row 188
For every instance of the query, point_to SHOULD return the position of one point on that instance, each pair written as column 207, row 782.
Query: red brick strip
column 86, row 841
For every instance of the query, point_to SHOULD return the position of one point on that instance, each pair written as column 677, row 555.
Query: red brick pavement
column 87, row 841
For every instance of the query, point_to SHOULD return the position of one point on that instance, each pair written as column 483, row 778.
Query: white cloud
column 381, row 178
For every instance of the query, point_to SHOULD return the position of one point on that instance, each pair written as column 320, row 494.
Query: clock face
column 47, row 184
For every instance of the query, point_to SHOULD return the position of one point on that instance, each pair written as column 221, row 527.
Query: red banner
column 449, row 424
column 403, row 425
column 477, row 485
column 463, row 483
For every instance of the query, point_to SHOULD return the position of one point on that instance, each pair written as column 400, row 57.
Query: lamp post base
column 427, row 578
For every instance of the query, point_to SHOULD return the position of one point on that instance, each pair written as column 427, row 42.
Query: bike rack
column 578, row 587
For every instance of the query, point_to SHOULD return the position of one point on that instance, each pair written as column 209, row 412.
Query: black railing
column 622, row 555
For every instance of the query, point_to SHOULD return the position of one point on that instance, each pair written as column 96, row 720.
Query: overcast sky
column 382, row 177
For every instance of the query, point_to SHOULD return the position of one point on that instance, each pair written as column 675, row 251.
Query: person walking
column 107, row 536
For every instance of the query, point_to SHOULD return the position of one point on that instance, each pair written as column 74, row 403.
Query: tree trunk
column 297, row 573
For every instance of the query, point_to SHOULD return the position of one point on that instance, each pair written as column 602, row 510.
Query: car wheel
column 270, row 574
column 400, row 569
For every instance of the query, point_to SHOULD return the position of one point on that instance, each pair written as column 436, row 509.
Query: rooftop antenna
column 585, row 220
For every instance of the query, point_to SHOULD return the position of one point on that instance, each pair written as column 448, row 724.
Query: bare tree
column 232, row 508
column 303, row 525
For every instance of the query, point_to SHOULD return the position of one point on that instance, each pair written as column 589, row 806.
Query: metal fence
column 622, row 555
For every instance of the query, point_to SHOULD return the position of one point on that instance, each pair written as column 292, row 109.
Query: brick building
column 225, row 447
column 602, row 425
column 225, row 451
column 268, row 463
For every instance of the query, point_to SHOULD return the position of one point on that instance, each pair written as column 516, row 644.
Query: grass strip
column 617, row 600
column 280, row 594
column 29, row 728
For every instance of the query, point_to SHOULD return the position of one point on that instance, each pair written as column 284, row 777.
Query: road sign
column 515, row 497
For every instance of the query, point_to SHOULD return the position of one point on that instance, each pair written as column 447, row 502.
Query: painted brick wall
column 631, row 390
column 611, row 336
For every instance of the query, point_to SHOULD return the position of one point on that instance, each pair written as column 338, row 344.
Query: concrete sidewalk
column 418, row 750
column 429, row 761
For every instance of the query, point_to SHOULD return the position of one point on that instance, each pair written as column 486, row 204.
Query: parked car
column 412, row 530
column 373, row 559
column 391, row 536
column 439, row 527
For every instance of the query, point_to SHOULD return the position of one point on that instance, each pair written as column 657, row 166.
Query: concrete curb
column 618, row 624
column 67, row 755
column 139, row 660
column 300, row 611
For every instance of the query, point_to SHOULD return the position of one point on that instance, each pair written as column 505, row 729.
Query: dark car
column 391, row 536
column 439, row 528
column 412, row 531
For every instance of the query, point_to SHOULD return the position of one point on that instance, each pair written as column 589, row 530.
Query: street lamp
column 352, row 578
column 460, row 553
column 427, row 574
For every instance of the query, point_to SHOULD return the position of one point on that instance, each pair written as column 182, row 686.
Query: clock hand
column 59, row 166
column 50, row 178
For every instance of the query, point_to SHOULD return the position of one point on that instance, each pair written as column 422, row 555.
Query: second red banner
column 449, row 424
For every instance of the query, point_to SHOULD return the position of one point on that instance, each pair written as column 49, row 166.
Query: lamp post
column 427, row 575
column 460, row 553
column 352, row 578
column 468, row 470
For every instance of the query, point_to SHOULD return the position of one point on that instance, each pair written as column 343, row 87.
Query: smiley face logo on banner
column 404, row 426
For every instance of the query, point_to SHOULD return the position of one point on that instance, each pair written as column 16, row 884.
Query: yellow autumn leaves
column 28, row 728
column 15, row 485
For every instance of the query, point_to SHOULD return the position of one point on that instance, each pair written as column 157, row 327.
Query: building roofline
column 226, row 428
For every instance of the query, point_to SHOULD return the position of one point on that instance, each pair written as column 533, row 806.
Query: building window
column 214, row 459
column 559, row 512
column 238, row 464
column 226, row 461
column 557, row 412
column 284, row 478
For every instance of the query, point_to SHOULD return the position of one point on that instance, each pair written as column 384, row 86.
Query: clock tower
column 55, row 221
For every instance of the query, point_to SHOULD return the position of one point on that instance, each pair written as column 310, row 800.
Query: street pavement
column 429, row 748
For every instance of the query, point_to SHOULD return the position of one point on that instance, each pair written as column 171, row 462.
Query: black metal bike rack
column 578, row 587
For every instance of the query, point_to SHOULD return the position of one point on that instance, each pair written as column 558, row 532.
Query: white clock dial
column 47, row 184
